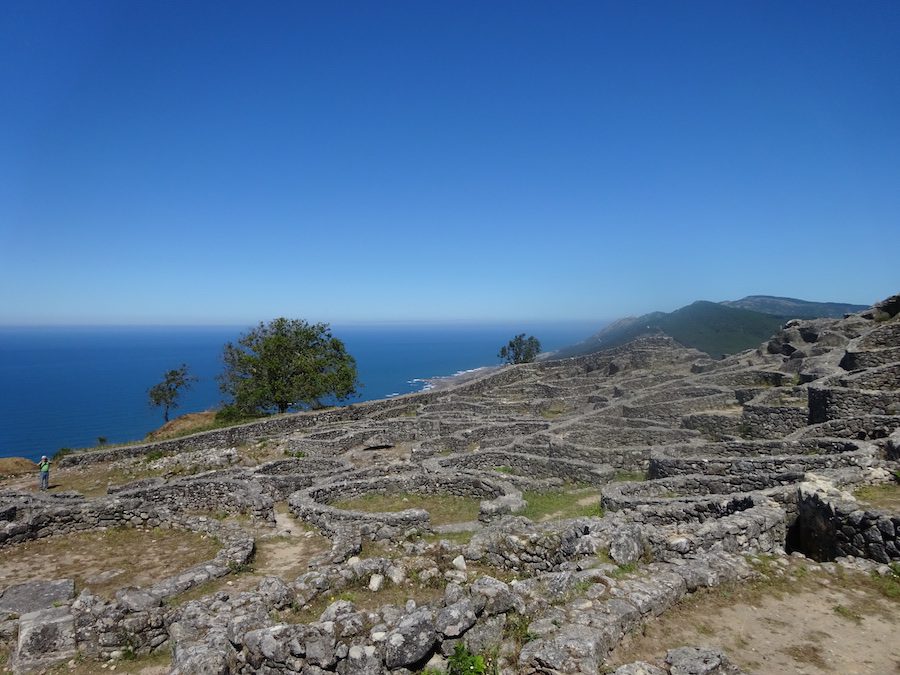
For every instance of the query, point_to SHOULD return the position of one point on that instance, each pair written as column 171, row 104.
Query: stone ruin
column 749, row 454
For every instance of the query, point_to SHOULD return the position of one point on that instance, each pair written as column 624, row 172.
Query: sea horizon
column 68, row 385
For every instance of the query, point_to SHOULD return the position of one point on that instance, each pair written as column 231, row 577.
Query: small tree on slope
column 166, row 393
column 520, row 349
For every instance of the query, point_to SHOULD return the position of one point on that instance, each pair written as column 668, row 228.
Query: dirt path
column 815, row 624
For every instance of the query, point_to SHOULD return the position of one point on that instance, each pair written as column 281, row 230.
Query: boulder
column 34, row 595
column 46, row 636
column 491, row 596
column 699, row 661
column 411, row 641
column 455, row 619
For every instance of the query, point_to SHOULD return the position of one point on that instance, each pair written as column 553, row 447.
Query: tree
column 166, row 393
column 520, row 349
column 287, row 363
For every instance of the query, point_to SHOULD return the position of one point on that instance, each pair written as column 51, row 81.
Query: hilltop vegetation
column 793, row 308
column 715, row 328
column 708, row 326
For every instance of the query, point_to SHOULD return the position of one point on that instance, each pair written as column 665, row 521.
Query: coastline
column 446, row 381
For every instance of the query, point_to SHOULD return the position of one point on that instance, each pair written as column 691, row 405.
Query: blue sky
column 224, row 162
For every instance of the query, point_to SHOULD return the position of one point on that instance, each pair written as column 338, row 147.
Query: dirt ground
column 105, row 561
column 282, row 552
column 802, row 622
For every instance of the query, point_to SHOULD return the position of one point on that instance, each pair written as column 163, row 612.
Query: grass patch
column 105, row 561
column 808, row 653
column 847, row 613
column 629, row 476
column 623, row 570
column 442, row 509
column 888, row 586
column 516, row 629
column 561, row 504
column 554, row 410
column 885, row 496
column 156, row 662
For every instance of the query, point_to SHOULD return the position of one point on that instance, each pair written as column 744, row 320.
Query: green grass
column 889, row 586
column 885, row 496
column 710, row 327
column 559, row 505
column 554, row 410
column 847, row 613
column 442, row 509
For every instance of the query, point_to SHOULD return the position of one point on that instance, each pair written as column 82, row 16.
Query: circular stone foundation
column 315, row 504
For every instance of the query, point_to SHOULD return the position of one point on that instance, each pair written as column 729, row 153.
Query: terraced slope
column 536, row 517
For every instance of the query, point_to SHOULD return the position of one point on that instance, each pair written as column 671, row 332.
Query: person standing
column 44, row 468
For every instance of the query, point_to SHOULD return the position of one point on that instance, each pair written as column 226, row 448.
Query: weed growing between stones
column 516, row 629
column 623, row 570
column 463, row 662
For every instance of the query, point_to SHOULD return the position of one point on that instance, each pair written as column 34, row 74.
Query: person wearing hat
column 44, row 468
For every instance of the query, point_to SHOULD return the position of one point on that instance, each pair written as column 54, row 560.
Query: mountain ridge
column 717, row 328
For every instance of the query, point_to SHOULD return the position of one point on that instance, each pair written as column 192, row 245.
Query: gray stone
column 361, row 660
column 573, row 649
column 137, row 600
column 411, row 641
column 275, row 592
column 34, row 595
column 454, row 620
column 626, row 545
column 46, row 636
column 699, row 661
column 490, row 596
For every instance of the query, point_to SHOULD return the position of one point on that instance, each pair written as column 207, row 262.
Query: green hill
column 794, row 308
column 708, row 326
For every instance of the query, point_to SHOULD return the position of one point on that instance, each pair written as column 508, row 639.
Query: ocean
column 68, row 386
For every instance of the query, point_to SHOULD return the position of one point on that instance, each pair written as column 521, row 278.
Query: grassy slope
column 794, row 308
column 708, row 326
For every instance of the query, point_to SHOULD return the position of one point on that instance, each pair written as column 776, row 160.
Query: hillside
column 711, row 327
column 793, row 308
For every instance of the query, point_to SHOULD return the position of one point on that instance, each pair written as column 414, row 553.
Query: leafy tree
column 166, row 393
column 520, row 349
column 287, row 363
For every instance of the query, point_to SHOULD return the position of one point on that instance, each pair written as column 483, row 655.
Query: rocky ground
column 640, row 510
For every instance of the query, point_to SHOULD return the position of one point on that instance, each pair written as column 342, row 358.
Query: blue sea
column 65, row 387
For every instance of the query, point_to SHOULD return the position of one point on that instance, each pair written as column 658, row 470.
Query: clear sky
column 229, row 162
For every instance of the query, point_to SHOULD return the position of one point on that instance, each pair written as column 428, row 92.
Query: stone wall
column 314, row 503
column 829, row 525
column 770, row 421
column 534, row 466
column 212, row 494
column 713, row 426
column 760, row 457
column 860, row 360
column 690, row 487
column 831, row 403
